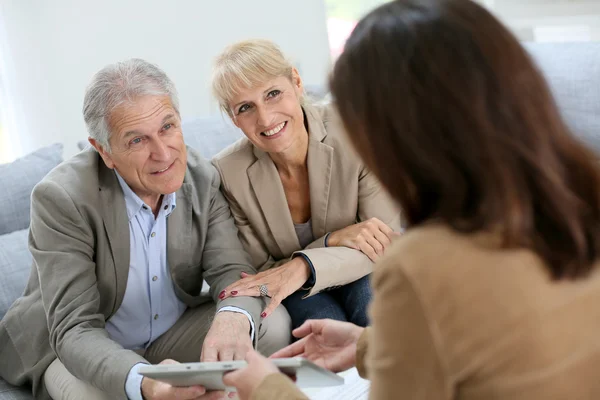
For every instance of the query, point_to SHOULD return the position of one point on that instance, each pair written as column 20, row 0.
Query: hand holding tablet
column 210, row 374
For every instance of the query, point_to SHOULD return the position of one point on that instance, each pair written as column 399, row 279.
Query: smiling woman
column 312, row 217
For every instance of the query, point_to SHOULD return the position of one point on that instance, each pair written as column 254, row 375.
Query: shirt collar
column 134, row 204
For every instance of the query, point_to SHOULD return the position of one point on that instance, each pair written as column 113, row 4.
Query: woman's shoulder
column 436, row 258
column 332, row 132
column 436, row 249
column 328, row 116
column 235, row 156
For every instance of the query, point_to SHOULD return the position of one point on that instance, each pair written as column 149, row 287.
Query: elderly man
column 122, row 237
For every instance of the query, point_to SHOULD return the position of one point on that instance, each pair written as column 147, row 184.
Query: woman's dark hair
column 452, row 115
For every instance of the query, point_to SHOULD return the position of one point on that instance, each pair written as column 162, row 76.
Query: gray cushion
column 9, row 392
column 17, row 179
column 15, row 264
column 210, row 135
column 573, row 73
column 83, row 144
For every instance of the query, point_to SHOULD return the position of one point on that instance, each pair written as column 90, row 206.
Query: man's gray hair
column 117, row 84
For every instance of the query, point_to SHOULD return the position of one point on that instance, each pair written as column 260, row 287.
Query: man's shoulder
column 76, row 176
column 235, row 159
column 199, row 170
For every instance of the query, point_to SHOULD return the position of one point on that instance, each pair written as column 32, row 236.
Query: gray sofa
column 573, row 71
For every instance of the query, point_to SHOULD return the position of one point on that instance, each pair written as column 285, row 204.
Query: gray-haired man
column 122, row 238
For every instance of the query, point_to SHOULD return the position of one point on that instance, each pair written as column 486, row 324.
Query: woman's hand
column 280, row 282
column 371, row 237
column 247, row 379
column 326, row 342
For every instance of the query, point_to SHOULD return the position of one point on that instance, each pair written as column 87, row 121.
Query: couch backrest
column 209, row 135
column 17, row 180
column 573, row 73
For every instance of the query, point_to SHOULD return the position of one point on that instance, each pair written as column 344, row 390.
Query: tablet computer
column 210, row 374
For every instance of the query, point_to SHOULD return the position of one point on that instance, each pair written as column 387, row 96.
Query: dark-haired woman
column 494, row 290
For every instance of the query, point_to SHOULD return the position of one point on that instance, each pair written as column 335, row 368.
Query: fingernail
column 264, row 314
column 234, row 293
column 222, row 295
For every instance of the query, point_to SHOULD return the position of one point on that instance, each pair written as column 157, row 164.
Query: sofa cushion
column 210, row 135
column 573, row 73
column 83, row 144
column 9, row 392
column 15, row 264
column 17, row 180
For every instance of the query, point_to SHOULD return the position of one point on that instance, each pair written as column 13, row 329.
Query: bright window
column 342, row 16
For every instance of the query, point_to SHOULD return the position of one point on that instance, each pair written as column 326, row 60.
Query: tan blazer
column 342, row 192
column 456, row 317
column 79, row 239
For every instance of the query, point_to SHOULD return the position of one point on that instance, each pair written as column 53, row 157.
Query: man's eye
column 137, row 140
column 243, row 108
column 167, row 127
column 273, row 93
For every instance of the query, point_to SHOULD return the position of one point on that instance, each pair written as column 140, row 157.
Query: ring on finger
column 264, row 290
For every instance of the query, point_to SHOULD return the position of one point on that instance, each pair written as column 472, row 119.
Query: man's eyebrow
column 130, row 133
column 134, row 132
column 167, row 117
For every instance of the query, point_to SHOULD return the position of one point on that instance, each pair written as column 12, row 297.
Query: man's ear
column 103, row 153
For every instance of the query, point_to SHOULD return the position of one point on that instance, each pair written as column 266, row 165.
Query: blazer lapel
column 320, row 162
column 268, row 189
column 116, row 223
column 179, row 228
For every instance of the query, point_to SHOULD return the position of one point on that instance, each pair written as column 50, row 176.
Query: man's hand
column 247, row 379
column 156, row 390
column 228, row 338
column 328, row 343
column 280, row 282
column 371, row 237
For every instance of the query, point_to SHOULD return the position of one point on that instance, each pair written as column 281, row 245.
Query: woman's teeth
column 275, row 130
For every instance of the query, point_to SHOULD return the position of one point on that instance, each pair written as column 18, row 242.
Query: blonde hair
column 244, row 65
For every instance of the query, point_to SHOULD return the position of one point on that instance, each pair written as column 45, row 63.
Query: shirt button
column 166, row 207
column 144, row 207
column 155, row 316
column 153, row 234
column 154, row 278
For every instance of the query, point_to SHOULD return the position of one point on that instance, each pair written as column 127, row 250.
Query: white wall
column 56, row 46
column 570, row 19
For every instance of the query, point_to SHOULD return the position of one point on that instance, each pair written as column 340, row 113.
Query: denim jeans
column 347, row 303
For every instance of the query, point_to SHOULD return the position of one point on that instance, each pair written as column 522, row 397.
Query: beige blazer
column 79, row 239
column 456, row 317
column 342, row 192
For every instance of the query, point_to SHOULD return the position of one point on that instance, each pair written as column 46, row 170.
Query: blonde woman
column 310, row 214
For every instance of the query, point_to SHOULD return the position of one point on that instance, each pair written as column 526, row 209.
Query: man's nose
column 160, row 150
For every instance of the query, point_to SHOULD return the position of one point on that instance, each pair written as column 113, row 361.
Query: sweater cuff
column 277, row 386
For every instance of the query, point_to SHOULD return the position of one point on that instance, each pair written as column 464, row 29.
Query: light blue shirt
column 150, row 306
